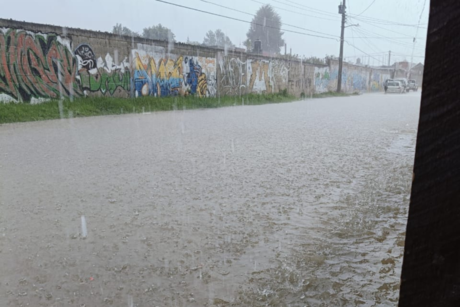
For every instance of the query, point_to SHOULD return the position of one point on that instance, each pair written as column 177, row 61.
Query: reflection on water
column 300, row 204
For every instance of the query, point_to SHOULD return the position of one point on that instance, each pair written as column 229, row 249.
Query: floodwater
column 295, row 204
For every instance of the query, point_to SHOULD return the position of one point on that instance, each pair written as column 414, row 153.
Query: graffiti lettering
column 233, row 75
column 322, row 79
column 251, row 76
column 100, row 75
column 36, row 65
column 176, row 75
column 88, row 60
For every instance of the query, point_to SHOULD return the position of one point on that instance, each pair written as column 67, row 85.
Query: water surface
column 294, row 204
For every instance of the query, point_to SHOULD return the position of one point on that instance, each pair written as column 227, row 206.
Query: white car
column 395, row 87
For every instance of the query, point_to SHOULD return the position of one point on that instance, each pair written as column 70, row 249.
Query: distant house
column 416, row 73
column 401, row 70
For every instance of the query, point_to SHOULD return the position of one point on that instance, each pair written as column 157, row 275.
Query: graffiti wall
column 232, row 74
column 377, row 79
column 40, row 66
column 301, row 78
column 354, row 78
column 251, row 75
column 322, row 78
column 36, row 65
column 104, row 76
column 157, row 74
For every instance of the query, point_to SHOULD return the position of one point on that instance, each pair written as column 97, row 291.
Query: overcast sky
column 381, row 25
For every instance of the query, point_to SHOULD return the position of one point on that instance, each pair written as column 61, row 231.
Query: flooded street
column 295, row 204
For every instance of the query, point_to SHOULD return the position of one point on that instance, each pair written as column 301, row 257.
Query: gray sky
column 374, row 35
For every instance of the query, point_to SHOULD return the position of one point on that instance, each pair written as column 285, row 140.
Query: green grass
column 333, row 94
column 94, row 106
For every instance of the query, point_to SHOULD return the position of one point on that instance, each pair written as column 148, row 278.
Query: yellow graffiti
column 138, row 63
column 202, row 85
column 260, row 71
column 152, row 67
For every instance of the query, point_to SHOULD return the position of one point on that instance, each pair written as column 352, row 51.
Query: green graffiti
column 34, row 65
column 104, row 81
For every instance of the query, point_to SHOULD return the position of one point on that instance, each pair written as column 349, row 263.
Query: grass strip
column 96, row 106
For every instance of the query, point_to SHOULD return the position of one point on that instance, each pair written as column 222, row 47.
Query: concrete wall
column 40, row 62
column 355, row 78
column 377, row 78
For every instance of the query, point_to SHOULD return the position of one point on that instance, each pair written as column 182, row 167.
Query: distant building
column 257, row 46
column 401, row 70
column 416, row 73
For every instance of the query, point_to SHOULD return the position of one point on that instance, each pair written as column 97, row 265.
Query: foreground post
column 342, row 10
column 431, row 266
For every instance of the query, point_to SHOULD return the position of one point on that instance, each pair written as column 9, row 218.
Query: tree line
column 265, row 27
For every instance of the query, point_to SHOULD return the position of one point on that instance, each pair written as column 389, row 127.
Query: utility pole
column 389, row 57
column 342, row 8
column 409, row 74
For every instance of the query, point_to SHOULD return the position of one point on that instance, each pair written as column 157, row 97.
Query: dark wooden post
column 431, row 266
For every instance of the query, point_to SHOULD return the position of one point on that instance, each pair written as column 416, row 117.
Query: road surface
column 294, row 204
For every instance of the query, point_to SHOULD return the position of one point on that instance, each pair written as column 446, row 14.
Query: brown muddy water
column 299, row 204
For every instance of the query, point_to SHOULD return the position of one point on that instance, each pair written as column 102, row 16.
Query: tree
column 314, row 60
column 120, row 30
column 210, row 39
column 265, row 26
column 328, row 58
column 193, row 42
column 217, row 38
column 159, row 33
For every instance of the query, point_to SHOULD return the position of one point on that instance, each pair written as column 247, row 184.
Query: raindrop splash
column 84, row 230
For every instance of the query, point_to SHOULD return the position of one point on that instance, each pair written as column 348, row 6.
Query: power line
column 353, row 37
column 378, row 37
column 416, row 33
column 369, row 43
column 311, row 8
column 390, row 39
column 384, row 23
column 226, row 7
column 415, row 56
column 381, row 27
column 367, row 7
column 306, row 8
column 384, row 53
column 364, row 52
column 393, row 53
column 289, row 25
column 294, row 12
column 245, row 21
column 360, row 55
column 368, row 18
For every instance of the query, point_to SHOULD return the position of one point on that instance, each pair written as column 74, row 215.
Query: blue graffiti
column 156, row 86
column 140, row 79
column 351, row 80
column 359, row 82
column 193, row 75
column 322, row 81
